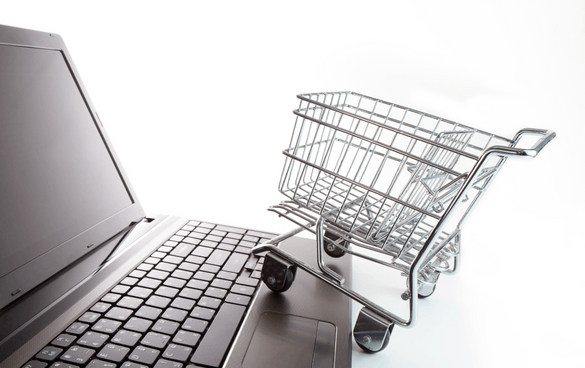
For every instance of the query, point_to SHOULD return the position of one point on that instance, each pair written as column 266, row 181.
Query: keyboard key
column 186, row 266
column 158, row 301
column 158, row 274
column 175, row 314
column 224, row 284
column 205, row 276
column 138, row 324
column 177, row 352
column 218, row 337
column 111, row 298
column 166, row 327
column 191, row 293
column 202, row 313
column 145, row 267
column 93, row 339
column 96, row 363
column 163, row 363
column 89, row 317
column 142, row 354
column 130, row 281
column 130, row 302
column 167, row 267
column 244, row 280
column 77, row 355
column 155, row 340
column 238, row 299
column 140, row 292
column 169, row 292
column 218, row 257
column 113, row 352
column 216, row 292
column 195, row 325
column 202, row 251
column 63, row 340
column 149, row 283
column 206, row 267
column 175, row 283
column 35, row 364
column 198, row 284
column 167, row 247
column 77, row 328
column 49, row 353
column 158, row 254
column 137, row 273
column 148, row 312
column 242, row 289
column 152, row 260
column 120, row 314
column 63, row 365
column 182, row 250
column 100, row 307
column 182, row 274
column 127, row 338
column 235, row 263
column 209, row 302
column 225, row 246
column 208, row 243
column 132, row 365
column 227, row 275
column 215, row 236
column 173, row 260
column 195, row 260
column 182, row 303
column 243, row 250
column 106, row 325
column 186, row 338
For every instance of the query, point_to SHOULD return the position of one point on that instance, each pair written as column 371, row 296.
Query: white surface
column 197, row 99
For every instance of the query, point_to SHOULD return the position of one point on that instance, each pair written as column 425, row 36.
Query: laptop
column 88, row 279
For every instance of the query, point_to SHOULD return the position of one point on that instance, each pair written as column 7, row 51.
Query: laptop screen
column 58, row 178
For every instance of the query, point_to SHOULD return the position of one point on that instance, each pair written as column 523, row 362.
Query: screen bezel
column 17, row 283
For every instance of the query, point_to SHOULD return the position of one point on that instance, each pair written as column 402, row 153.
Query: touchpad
column 287, row 341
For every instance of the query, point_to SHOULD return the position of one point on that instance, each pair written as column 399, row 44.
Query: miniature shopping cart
column 386, row 183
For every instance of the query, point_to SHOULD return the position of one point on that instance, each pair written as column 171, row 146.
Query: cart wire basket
column 386, row 183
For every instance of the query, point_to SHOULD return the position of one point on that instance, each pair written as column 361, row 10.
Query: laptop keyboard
column 181, row 307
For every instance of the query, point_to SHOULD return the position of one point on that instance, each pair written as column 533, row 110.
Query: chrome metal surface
column 387, row 180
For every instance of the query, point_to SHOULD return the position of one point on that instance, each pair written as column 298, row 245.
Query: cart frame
column 421, row 258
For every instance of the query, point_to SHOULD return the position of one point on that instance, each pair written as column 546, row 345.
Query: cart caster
column 425, row 291
column 425, row 288
column 277, row 273
column 330, row 248
column 372, row 333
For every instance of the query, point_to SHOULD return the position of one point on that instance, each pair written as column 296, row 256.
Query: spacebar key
column 218, row 337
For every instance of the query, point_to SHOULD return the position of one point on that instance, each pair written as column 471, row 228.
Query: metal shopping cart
column 386, row 183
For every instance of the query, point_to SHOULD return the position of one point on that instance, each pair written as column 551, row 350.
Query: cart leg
column 320, row 232
column 371, row 332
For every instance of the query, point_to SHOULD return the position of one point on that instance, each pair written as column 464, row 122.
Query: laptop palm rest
column 308, row 326
column 294, row 342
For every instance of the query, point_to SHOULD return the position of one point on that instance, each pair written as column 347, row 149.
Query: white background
column 197, row 99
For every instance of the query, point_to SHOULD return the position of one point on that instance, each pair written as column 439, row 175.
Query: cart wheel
column 367, row 349
column 331, row 248
column 426, row 292
column 371, row 333
column 277, row 273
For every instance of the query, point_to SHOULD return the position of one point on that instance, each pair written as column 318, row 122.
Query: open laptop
column 87, row 279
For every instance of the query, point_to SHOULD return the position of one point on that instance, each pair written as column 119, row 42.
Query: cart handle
column 547, row 136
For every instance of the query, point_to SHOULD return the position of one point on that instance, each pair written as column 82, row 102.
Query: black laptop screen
column 57, row 177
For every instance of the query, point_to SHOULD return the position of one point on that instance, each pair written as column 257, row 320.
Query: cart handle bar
column 547, row 136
